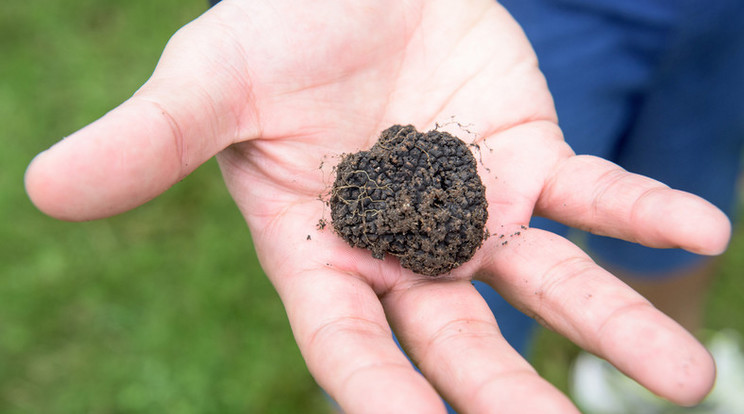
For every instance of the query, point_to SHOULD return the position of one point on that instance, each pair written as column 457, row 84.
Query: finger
column 598, row 196
column 449, row 332
column 343, row 335
column 180, row 118
column 513, row 164
column 553, row 280
column 336, row 316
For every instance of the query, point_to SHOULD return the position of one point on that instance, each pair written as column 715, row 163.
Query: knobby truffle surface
column 413, row 195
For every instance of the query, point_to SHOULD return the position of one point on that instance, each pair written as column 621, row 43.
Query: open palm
column 279, row 90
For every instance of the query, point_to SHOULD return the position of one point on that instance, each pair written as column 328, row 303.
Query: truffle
column 413, row 195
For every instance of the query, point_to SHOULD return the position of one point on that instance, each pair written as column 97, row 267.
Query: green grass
column 164, row 308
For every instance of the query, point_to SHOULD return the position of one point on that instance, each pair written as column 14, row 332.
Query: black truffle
column 413, row 195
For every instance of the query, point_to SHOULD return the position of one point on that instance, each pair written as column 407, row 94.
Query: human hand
column 274, row 88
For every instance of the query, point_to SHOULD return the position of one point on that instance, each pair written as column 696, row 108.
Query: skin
column 272, row 89
column 680, row 294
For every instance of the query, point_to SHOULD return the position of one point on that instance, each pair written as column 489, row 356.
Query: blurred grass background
column 164, row 308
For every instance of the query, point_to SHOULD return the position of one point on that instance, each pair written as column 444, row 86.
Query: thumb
column 179, row 119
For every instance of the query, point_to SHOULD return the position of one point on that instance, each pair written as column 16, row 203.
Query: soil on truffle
column 413, row 195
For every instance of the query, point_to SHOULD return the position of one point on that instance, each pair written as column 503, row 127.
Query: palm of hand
column 313, row 106
column 285, row 90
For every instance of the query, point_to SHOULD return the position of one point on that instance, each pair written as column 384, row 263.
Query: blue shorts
column 656, row 86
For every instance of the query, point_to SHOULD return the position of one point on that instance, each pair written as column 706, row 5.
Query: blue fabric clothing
column 653, row 85
column 656, row 86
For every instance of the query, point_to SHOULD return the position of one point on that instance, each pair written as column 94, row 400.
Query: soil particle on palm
column 416, row 196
